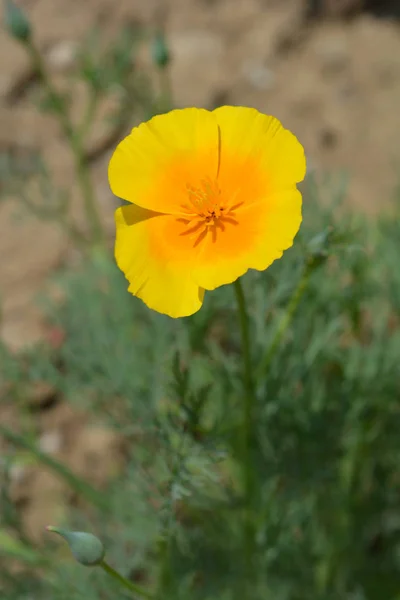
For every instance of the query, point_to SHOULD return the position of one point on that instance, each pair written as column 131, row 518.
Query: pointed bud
column 160, row 52
column 16, row 22
column 86, row 548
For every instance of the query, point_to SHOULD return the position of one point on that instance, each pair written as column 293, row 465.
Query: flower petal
column 257, row 150
column 152, row 166
column 259, row 236
column 280, row 224
column 155, row 264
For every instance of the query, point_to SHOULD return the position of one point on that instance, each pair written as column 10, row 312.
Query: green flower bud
column 86, row 548
column 160, row 52
column 16, row 21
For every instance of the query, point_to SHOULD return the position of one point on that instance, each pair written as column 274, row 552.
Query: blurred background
column 328, row 69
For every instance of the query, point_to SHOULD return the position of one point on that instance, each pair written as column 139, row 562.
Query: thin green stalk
column 165, row 577
column 75, row 141
column 55, row 97
column 126, row 583
column 164, row 549
column 90, row 112
column 248, row 422
column 58, row 468
column 42, row 212
column 246, row 348
column 165, row 90
column 92, row 214
column 287, row 317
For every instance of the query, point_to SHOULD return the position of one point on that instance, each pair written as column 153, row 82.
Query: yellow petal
column 260, row 164
column 153, row 165
column 158, row 272
column 280, row 224
column 256, row 236
column 257, row 146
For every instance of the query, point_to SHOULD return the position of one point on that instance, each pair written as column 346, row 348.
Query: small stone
column 17, row 473
column 62, row 55
column 50, row 442
column 258, row 75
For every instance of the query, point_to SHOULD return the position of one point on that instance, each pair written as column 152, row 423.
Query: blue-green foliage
column 326, row 444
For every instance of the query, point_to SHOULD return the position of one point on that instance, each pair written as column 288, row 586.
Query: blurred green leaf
column 16, row 21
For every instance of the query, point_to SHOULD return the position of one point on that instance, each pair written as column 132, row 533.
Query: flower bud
column 160, row 52
column 16, row 22
column 86, row 548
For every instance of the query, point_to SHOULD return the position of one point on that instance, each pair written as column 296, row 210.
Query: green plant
column 260, row 436
column 324, row 443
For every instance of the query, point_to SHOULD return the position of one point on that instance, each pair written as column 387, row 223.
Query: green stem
column 43, row 213
column 248, row 422
column 246, row 349
column 75, row 141
column 164, row 550
column 89, row 115
column 58, row 468
column 165, row 90
column 287, row 317
column 165, row 577
column 126, row 583
column 89, row 200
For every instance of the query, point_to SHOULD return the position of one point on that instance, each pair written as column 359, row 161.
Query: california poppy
column 212, row 193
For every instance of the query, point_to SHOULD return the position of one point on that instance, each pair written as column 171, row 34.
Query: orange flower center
column 206, row 211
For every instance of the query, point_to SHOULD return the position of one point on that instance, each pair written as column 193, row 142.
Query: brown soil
column 334, row 82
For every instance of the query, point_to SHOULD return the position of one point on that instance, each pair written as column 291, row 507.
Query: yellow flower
column 213, row 194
